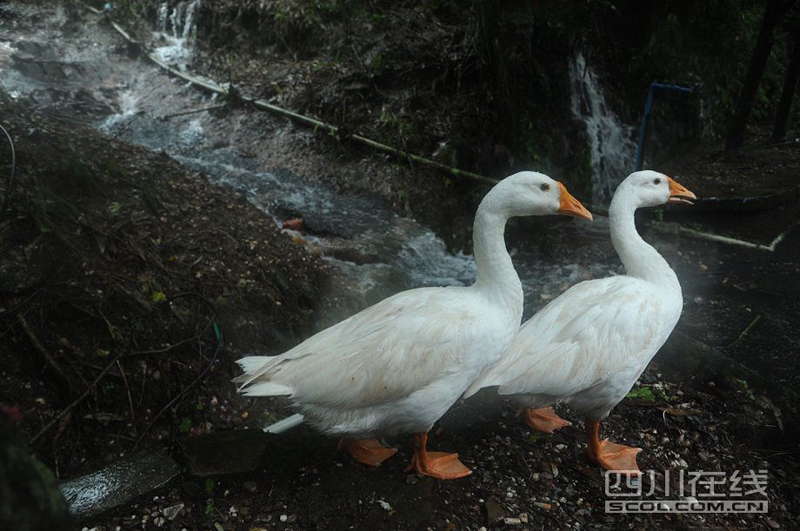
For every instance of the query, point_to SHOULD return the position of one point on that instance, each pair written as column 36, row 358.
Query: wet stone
column 118, row 483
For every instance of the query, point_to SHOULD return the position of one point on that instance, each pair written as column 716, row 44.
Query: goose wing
column 594, row 329
column 379, row 355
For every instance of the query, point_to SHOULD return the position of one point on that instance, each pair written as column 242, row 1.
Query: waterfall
column 175, row 28
column 612, row 148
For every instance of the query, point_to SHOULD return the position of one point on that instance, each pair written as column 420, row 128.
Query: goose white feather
column 397, row 366
column 590, row 345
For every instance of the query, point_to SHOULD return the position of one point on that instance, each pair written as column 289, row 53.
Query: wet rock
column 226, row 452
column 118, row 483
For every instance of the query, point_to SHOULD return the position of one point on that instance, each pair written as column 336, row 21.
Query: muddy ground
column 125, row 299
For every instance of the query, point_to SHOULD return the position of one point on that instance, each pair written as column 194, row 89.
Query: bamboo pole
column 334, row 131
column 297, row 117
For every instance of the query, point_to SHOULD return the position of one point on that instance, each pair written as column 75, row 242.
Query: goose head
column 530, row 193
column 649, row 188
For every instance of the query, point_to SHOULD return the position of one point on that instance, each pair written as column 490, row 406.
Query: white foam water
column 176, row 29
column 612, row 148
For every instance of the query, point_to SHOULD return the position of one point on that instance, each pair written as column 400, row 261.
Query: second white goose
column 588, row 346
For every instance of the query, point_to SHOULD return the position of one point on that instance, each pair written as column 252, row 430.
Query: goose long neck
column 641, row 260
column 496, row 275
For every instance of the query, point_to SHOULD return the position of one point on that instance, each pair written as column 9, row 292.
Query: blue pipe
column 648, row 107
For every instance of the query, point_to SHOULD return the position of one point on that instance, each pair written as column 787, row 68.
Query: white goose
column 397, row 366
column 588, row 346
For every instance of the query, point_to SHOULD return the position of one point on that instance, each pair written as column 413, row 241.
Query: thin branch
column 747, row 329
column 165, row 349
column 75, row 402
column 181, row 394
column 193, row 111
column 49, row 360
column 10, row 187
column 128, row 389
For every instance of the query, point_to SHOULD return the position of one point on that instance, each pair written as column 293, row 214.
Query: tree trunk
column 773, row 13
column 789, row 85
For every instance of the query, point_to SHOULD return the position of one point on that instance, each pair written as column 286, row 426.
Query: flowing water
column 376, row 251
column 611, row 141
column 175, row 32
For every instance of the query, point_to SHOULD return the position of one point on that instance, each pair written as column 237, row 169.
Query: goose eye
column 544, row 187
column 657, row 181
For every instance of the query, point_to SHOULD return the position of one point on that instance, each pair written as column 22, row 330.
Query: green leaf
column 643, row 393
column 185, row 425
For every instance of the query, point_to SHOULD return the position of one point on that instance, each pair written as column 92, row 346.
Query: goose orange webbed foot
column 439, row 465
column 616, row 457
column 610, row 455
column 544, row 419
column 367, row 451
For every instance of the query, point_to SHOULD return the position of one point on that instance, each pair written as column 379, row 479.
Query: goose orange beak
column 679, row 193
column 570, row 206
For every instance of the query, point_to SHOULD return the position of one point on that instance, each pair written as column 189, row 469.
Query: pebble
column 283, row 518
column 172, row 511
column 385, row 505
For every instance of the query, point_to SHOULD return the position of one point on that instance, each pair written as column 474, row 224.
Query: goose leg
column 543, row 419
column 609, row 455
column 367, row 451
column 439, row 465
